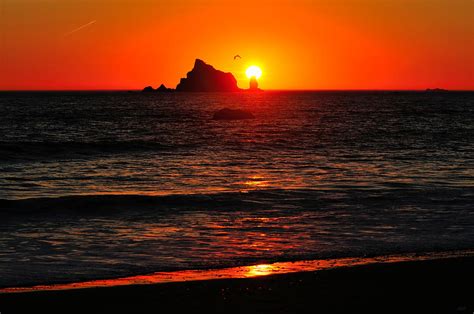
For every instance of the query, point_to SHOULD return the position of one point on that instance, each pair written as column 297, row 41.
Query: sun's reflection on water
column 239, row 272
column 260, row 270
column 256, row 181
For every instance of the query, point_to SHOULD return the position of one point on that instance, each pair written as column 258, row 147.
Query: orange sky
column 327, row 44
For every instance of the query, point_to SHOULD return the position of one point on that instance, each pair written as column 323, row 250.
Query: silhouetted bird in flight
column 237, row 56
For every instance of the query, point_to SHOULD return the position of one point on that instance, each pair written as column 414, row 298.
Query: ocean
column 109, row 184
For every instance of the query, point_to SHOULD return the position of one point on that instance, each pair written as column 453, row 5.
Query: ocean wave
column 94, row 203
column 366, row 200
column 24, row 151
column 100, row 236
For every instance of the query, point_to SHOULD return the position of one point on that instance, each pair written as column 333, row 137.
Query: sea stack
column 148, row 89
column 161, row 89
column 205, row 78
column 253, row 85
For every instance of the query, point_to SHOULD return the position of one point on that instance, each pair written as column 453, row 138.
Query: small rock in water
column 148, row 89
column 232, row 114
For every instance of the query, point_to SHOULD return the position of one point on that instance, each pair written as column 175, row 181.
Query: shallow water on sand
column 134, row 183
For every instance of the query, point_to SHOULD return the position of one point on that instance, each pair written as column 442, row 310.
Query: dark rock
column 164, row 89
column 161, row 89
column 232, row 114
column 204, row 78
column 148, row 89
column 253, row 85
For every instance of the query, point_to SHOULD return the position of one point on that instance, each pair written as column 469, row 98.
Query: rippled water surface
column 107, row 184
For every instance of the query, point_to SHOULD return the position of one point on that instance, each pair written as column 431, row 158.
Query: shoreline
column 424, row 286
column 240, row 272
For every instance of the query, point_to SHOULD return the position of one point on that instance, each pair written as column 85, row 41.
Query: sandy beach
column 434, row 286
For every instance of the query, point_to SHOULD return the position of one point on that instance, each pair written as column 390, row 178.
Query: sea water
column 107, row 184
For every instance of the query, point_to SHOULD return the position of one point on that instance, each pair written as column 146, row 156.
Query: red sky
column 326, row 44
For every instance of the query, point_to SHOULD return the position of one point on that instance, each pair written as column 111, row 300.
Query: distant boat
column 436, row 90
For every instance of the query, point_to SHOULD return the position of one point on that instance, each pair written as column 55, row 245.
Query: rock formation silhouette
column 161, row 89
column 164, row 89
column 205, row 78
column 148, row 89
column 253, row 85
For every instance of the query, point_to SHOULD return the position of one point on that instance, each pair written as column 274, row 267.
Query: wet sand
column 431, row 286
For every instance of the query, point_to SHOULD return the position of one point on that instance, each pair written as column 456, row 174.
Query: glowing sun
column 253, row 71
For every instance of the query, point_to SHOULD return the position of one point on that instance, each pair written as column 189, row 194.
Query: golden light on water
column 256, row 181
column 238, row 272
column 260, row 270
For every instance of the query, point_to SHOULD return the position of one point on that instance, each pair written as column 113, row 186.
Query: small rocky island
column 205, row 78
column 161, row 89
column 253, row 86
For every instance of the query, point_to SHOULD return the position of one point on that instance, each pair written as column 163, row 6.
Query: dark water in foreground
column 94, row 185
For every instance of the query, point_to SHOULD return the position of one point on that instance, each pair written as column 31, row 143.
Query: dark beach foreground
column 433, row 286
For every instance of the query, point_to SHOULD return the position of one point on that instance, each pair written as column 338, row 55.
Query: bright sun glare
column 253, row 71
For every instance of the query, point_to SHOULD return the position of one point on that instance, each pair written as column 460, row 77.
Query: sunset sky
column 331, row 44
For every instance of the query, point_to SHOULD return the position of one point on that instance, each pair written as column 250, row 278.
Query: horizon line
column 269, row 90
